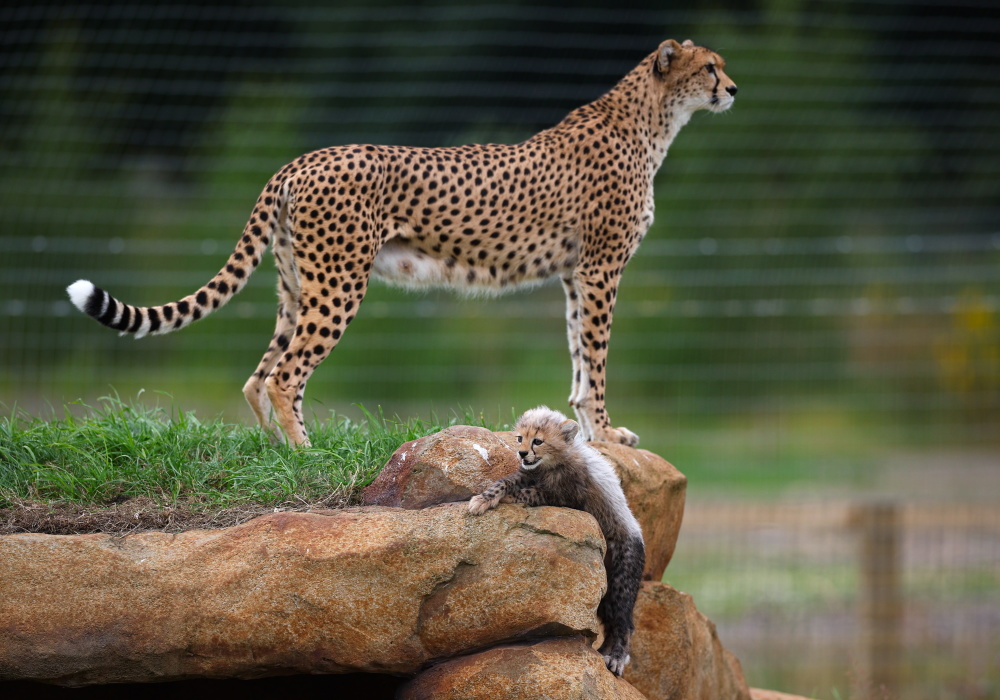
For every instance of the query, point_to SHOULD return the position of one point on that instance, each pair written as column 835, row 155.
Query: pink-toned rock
column 676, row 652
column 555, row 669
column 375, row 590
column 655, row 492
column 452, row 465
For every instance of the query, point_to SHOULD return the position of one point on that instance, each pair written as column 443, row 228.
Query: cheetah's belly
column 402, row 262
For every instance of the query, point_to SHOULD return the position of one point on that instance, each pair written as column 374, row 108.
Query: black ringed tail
column 227, row 283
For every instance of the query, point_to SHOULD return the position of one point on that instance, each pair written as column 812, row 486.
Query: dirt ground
column 134, row 515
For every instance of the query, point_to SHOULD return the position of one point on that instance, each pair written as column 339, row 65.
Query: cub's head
column 543, row 435
column 692, row 77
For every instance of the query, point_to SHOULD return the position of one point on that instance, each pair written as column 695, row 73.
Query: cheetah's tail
column 227, row 283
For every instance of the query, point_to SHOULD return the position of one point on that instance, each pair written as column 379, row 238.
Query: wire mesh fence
column 868, row 598
column 817, row 302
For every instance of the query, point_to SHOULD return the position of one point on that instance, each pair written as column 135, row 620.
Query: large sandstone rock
column 655, row 491
column 368, row 589
column 452, row 465
column 676, row 653
column 462, row 460
column 555, row 669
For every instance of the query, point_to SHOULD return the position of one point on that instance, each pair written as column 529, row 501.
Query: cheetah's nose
column 732, row 90
column 522, row 453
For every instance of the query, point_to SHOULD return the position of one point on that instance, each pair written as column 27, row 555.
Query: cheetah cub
column 559, row 469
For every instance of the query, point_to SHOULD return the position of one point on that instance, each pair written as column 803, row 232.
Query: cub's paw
column 622, row 436
column 616, row 662
column 478, row 505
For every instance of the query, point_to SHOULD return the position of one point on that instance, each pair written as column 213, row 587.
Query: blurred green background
column 814, row 317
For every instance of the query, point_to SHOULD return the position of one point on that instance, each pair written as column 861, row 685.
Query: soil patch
column 139, row 514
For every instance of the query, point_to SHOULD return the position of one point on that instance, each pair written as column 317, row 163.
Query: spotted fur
column 558, row 468
column 573, row 201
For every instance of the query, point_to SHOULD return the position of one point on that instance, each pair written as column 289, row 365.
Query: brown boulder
column 676, row 652
column 655, row 492
column 368, row 589
column 452, row 465
column 555, row 669
column 461, row 461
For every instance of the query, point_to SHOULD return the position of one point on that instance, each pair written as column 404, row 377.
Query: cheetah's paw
column 616, row 662
column 478, row 505
column 622, row 436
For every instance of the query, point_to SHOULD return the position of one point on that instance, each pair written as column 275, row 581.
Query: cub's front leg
column 528, row 496
column 491, row 497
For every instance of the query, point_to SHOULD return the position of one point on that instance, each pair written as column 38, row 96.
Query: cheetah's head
column 543, row 435
column 692, row 77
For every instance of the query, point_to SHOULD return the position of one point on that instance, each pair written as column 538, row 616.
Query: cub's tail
column 227, row 283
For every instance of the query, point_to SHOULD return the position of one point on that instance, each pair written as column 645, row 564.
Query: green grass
column 121, row 450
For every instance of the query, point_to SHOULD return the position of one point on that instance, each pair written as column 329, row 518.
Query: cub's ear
column 569, row 429
column 688, row 44
column 663, row 54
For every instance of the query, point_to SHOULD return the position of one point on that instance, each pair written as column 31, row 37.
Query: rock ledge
column 368, row 589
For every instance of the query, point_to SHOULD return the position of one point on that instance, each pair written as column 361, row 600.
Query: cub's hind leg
column 624, row 563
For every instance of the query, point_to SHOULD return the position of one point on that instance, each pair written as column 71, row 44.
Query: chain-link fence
column 816, row 307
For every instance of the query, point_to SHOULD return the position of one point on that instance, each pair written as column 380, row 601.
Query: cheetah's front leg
column 495, row 493
column 528, row 496
column 590, row 303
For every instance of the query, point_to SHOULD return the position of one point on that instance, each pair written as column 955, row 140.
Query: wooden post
column 881, row 598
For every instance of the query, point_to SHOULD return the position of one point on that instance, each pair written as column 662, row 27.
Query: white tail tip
column 79, row 292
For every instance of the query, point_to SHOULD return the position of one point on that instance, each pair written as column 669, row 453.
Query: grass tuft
column 126, row 452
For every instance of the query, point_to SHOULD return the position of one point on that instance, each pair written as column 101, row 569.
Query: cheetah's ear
column 688, row 44
column 569, row 429
column 663, row 55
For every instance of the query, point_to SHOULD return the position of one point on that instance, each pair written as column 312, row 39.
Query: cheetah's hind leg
column 255, row 389
column 624, row 563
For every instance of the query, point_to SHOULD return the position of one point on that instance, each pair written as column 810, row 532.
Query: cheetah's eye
column 710, row 68
column 536, row 442
column 519, row 439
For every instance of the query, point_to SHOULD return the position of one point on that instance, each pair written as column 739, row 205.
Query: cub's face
column 693, row 77
column 540, row 443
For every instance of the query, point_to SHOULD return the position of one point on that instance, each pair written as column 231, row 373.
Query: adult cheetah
column 573, row 201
